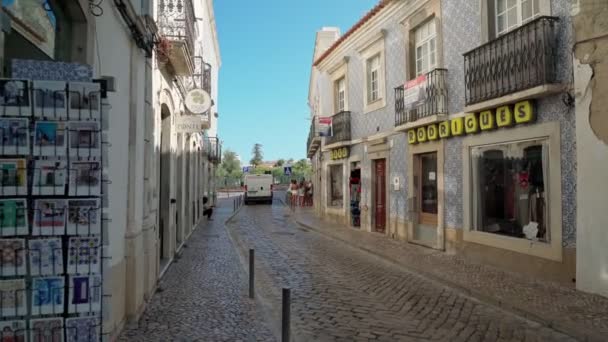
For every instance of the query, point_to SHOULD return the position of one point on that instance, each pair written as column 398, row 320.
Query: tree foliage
column 230, row 172
column 257, row 155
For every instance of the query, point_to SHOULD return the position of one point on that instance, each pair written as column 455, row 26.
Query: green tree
column 230, row 172
column 258, row 156
column 280, row 163
column 302, row 169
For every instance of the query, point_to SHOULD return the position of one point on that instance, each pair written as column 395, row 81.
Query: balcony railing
column 215, row 150
column 521, row 59
column 176, row 23
column 207, row 78
column 313, row 142
column 434, row 101
column 340, row 127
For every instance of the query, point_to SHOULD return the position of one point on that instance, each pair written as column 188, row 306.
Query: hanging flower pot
column 163, row 50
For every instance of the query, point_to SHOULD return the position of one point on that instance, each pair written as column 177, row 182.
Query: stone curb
column 233, row 215
column 575, row 331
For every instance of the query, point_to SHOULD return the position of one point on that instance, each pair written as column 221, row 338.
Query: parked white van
column 258, row 188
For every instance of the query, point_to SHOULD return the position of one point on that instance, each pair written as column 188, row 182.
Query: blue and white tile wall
column 462, row 33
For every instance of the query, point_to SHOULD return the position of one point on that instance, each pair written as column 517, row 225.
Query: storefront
column 511, row 180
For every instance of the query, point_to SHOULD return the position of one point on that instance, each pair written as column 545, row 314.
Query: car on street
column 258, row 188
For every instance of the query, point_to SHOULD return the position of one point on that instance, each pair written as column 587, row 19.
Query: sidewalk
column 204, row 295
column 581, row 315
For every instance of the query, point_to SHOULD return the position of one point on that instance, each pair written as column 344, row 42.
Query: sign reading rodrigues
column 339, row 153
column 198, row 101
column 504, row 116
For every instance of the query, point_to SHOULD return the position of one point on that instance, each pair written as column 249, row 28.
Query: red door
column 380, row 195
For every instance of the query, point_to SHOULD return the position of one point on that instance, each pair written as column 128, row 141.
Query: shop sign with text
column 339, row 153
column 504, row 116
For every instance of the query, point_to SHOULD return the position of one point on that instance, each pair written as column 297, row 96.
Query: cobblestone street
column 344, row 294
column 204, row 295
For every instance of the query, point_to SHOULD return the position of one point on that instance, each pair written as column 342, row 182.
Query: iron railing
column 215, row 150
column 435, row 99
column 340, row 128
column 176, row 21
column 207, row 78
column 312, row 133
column 521, row 59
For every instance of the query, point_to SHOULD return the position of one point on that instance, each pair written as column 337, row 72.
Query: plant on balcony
column 163, row 49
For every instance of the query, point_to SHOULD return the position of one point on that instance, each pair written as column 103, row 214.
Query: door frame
column 386, row 193
column 381, row 151
column 413, row 166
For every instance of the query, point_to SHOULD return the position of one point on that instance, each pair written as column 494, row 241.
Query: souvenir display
column 50, row 138
column 47, row 295
column 85, row 294
column 85, row 101
column 12, row 331
column 14, row 177
column 85, row 178
column 14, row 97
column 46, row 256
column 46, row 330
column 12, row 257
column 50, row 99
column 84, row 139
column 14, row 135
column 49, row 217
column 13, row 217
column 83, row 216
column 83, row 329
column 13, row 297
column 83, row 254
column 50, row 177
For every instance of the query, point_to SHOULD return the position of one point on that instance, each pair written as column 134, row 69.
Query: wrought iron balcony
column 521, row 59
column 215, row 150
column 314, row 140
column 207, row 78
column 432, row 101
column 340, row 128
column 176, row 24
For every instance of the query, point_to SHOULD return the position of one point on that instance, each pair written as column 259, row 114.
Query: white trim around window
column 549, row 133
column 339, row 78
column 374, row 64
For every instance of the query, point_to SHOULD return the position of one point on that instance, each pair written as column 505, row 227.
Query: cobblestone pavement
column 577, row 313
column 205, row 294
column 340, row 293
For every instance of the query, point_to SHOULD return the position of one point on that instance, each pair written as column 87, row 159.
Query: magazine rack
column 51, row 236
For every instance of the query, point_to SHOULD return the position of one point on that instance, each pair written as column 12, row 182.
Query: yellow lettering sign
column 421, row 133
column 444, row 129
column 504, row 116
column 411, row 136
column 432, row 132
column 471, row 125
column 457, row 126
column 486, row 120
column 524, row 112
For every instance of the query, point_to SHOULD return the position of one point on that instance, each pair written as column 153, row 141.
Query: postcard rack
column 51, row 236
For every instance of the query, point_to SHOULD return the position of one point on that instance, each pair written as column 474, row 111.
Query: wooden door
column 380, row 195
column 427, row 191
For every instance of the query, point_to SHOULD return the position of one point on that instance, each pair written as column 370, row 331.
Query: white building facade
column 159, row 158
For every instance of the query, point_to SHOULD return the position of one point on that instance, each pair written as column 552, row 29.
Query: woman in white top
column 301, row 193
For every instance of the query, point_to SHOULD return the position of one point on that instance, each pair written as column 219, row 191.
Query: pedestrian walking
column 207, row 209
column 308, row 194
column 301, row 193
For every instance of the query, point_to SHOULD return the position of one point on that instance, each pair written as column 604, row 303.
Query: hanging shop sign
column 325, row 127
column 188, row 124
column 504, row 116
column 198, row 101
column 414, row 93
column 339, row 153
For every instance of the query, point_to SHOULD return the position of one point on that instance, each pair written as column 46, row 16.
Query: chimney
column 325, row 38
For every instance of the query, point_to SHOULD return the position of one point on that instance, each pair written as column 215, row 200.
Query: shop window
column 509, row 193
column 336, row 195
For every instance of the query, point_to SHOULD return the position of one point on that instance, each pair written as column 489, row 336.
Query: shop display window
column 509, row 193
column 336, row 195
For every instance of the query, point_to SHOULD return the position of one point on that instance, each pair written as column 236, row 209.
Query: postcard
column 46, row 256
column 49, row 217
column 47, row 295
column 12, row 295
column 84, row 216
column 85, row 294
column 84, row 254
column 50, row 138
column 15, row 97
column 14, row 135
column 13, row 217
column 46, row 330
column 12, row 331
column 83, row 329
column 12, row 257
column 85, row 178
column 84, row 139
column 14, row 177
column 85, row 101
column 50, row 99
column 50, row 177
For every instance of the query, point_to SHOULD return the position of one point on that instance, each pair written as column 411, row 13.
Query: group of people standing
column 300, row 194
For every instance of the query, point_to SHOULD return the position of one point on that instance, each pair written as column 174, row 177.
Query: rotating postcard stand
column 51, row 274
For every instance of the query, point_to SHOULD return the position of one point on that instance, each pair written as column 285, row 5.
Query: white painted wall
column 592, row 193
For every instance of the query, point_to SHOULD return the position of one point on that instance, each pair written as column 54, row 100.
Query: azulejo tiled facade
column 433, row 192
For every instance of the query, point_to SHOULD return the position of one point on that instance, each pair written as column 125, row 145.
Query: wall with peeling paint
column 590, row 20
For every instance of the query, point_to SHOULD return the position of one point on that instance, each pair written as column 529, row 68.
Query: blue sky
column 266, row 48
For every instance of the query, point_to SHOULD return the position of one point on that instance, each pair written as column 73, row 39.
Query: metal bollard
column 286, row 315
column 251, row 273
